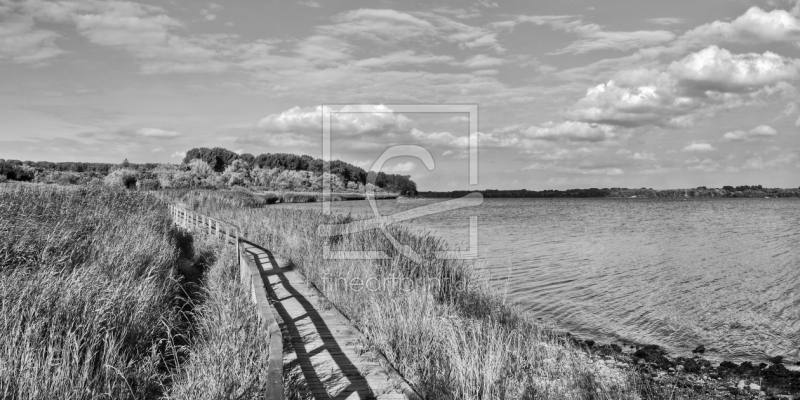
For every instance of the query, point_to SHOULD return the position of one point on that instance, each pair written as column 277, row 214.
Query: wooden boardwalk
column 326, row 346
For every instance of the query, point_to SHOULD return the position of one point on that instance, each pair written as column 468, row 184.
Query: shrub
column 123, row 178
column 148, row 184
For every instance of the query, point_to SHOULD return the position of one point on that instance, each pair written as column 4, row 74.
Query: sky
column 570, row 93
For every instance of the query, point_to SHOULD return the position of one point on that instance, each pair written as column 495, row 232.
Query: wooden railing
column 250, row 277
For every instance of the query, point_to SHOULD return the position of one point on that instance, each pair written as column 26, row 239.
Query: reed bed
column 94, row 304
column 228, row 355
column 85, row 293
column 437, row 322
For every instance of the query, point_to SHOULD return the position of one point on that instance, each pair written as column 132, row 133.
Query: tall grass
column 448, row 343
column 228, row 355
column 93, row 304
column 85, row 287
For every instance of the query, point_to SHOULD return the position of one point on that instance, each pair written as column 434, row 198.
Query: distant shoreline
column 701, row 192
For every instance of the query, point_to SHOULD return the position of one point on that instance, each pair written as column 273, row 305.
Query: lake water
column 724, row 273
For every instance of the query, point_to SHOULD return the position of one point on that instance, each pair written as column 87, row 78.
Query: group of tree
column 702, row 191
column 212, row 167
column 523, row 193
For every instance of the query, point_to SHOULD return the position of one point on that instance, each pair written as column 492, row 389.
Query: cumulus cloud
column 178, row 154
column 754, row 163
column 157, row 133
column 754, row 26
column 636, row 98
column 699, row 148
column 674, row 96
column 349, row 121
column 759, row 132
column 719, row 70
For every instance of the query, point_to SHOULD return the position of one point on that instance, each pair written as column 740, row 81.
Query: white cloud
column 569, row 130
column 644, row 156
column 785, row 158
column 790, row 109
column 731, row 168
column 349, row 121
column 581, row 169
column 754, row 163
column 386, row 26
column 699, row 148
column 759, row 132
column 718, row 70
column 144, row 31
column 706, row 165
column 401, row 168
column 666, row 21
column 157, row 150
column 592, row 36
column 157, row 133
column 208, row 15
column 404, row 57
column 312, row 4
column 178, row 154
column 483, row 61
column 697, row 85
column 21, row 42
column 754, row 26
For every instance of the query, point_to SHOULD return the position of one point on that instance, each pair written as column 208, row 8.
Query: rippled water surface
column 720, row 272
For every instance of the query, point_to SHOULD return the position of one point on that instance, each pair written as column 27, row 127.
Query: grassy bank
column 98, row 301
column 447, row 342
column 85, row 292
column 246, row 198
column 228, row 352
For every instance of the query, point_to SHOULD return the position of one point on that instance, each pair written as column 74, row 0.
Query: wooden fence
column 250, row 277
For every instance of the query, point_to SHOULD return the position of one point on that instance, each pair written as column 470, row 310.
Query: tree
column 218, row 158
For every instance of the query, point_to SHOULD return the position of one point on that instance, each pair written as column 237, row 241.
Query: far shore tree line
column 702, row 191
column 212, row 168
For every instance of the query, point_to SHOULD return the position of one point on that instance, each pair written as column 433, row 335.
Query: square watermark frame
column 470, row 200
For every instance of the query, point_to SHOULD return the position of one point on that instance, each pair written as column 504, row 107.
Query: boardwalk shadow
column 347, row 372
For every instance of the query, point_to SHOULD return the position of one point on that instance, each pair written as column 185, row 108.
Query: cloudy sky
column 571, row 93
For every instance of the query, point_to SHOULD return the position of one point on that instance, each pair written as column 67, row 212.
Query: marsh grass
column 94, row 305
column 448, row 343
column 85, row 287
column 228, row 355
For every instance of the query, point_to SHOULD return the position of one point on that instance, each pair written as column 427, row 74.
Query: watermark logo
column 382, row 222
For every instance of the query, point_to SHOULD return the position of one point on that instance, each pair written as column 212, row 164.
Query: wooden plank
column 275, row 360
column 326, row 346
